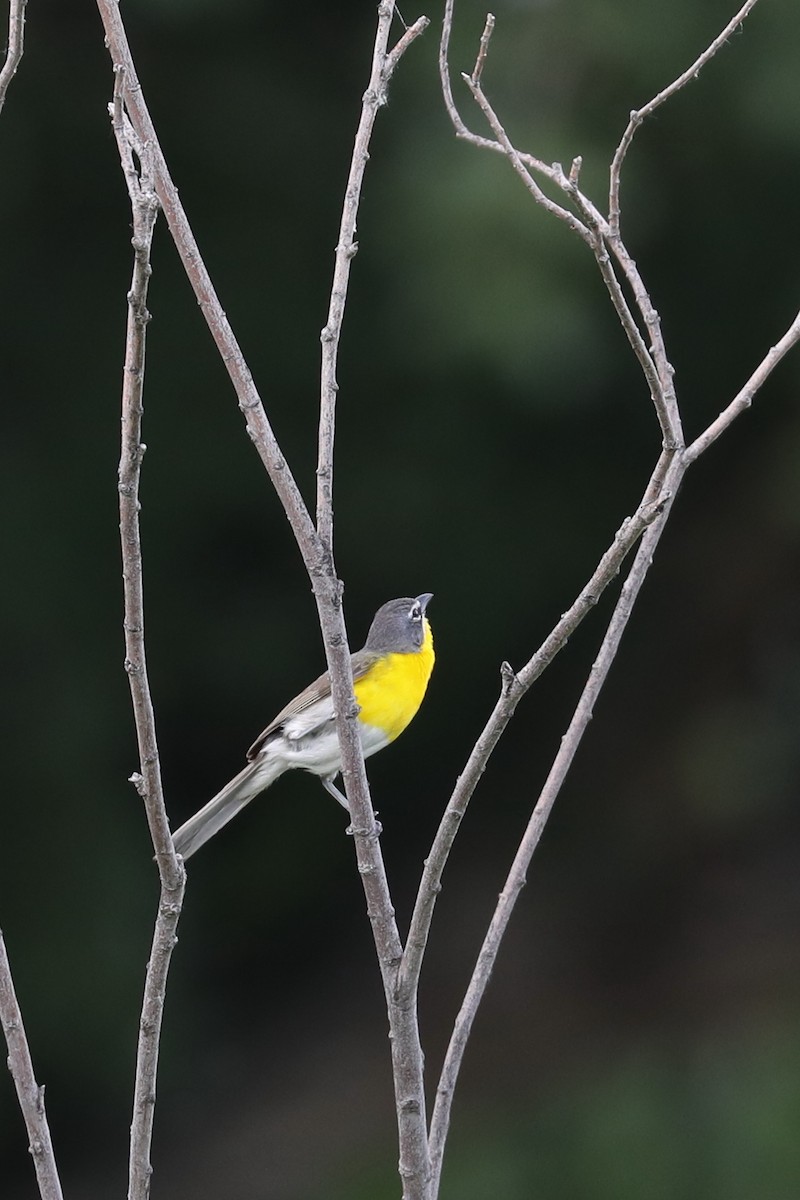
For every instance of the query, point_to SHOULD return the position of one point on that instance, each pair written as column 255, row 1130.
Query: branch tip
column 483, row 49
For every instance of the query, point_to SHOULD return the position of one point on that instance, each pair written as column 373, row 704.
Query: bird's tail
column 255, row 777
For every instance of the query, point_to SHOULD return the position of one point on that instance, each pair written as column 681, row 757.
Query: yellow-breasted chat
column 390, row 676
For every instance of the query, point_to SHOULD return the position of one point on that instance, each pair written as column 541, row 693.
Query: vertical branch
column 406, row 1049
column 346, row 247
column 29, row 1094
column 144, row 207
column 16, row 39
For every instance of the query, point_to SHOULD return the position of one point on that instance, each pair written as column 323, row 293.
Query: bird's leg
column 332, row 790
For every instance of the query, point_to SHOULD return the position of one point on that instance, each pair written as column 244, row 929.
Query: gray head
column 398, row 626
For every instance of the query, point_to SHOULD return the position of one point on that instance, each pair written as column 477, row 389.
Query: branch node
column 139, row 783
column 509, row 678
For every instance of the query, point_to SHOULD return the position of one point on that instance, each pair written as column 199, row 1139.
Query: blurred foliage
column 641, row 1030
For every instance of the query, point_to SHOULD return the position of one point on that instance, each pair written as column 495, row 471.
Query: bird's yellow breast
column 392, row 690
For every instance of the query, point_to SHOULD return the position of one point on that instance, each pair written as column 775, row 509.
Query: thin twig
column 16, row 41
column 144, row 207
column 520, row 167
column 29, row 1093
column 400, row 47
column 742, row 401
column 640, row 114
column 654, row 363
column 383, row 65
column 667, row 405
column 594, row 230
column 517, row 875
column 483, row 49
column 513, row 688
column 462, row 132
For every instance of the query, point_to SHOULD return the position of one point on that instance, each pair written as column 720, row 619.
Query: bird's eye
column 416, row 613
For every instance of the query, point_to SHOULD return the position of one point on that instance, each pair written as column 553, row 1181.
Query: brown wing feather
column 320, row 689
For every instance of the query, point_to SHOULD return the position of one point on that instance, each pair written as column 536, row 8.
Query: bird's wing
column 317, row 696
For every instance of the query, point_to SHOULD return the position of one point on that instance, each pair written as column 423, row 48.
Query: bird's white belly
column 318, row 751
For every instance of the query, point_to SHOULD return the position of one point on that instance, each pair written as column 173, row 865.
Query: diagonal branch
column 258, row 426
column 29, row 1094
column 16, row 40
column 742, row 401
column 514, row 686
column 515, row 881
column 514, row 157
column 638, row 115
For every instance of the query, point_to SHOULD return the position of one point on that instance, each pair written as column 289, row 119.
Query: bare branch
column 640, row 114
column 516, row 877
column 636, row 341
column 144, row 207
column 16, row 40
column 258, row 426
column 603, row 237
column 744, row 398
column 444, row 76
column 407, row 1059
column 462, row 132
column 155, row 989
column 594, row 230
column 394, row 55
column 520, row 167
column 317, row 556
column 29, row 1094
column 513, row 688
column 483, row 49
column 383, row 65
column 664, row 398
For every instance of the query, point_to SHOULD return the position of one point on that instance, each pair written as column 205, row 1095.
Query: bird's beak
column 424, row 600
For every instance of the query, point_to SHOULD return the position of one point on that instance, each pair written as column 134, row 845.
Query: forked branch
column 315, row 542
column 603, row 237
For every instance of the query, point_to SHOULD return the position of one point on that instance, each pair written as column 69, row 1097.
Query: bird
column 390, row 678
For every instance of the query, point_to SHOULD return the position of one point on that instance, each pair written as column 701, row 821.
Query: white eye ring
column 416, row 613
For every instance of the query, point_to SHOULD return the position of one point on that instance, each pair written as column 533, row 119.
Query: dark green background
column 641, row 1036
